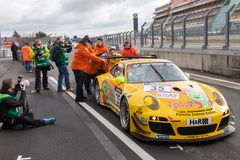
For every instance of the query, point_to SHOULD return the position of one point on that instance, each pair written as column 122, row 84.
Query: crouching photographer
column 14, row 113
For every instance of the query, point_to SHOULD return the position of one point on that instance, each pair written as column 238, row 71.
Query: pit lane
column 225, row 148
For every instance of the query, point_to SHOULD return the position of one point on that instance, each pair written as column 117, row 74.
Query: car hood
column 180, row 96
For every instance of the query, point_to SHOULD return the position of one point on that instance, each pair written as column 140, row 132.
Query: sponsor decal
column 196, row 113
column 197, row 136
column 105, row 91
column 199, row 97
column 168, row 95
column 162, row 136
column 157, row 88
column 118, row 95
column 176, row 105
column 199, row 121
column 139, row 111
column 142, row 120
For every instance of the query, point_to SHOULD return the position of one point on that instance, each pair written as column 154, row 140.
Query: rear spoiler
column 130, row 57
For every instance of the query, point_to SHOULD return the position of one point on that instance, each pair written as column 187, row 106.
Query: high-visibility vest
column 13, row 112
column 26, row 50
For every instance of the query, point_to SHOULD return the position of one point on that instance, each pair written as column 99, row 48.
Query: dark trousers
column 79, row 78
column 38, row 78
column 24, row 120
column 88, row 82
column 63, row 74
column 14, row 55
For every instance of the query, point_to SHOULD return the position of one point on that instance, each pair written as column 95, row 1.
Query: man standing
column 14, row 49
column 100, row 47
column 60, row 56
column 41, row 60
column 26, row 50
column 129, row 50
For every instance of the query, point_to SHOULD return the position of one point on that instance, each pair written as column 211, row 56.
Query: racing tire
column 124, row 115
column 97, row 93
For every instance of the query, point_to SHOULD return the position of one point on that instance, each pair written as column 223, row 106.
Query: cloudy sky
column 73, row 17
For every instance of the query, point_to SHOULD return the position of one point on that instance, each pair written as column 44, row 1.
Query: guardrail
column 4, row 53
column 176, row 32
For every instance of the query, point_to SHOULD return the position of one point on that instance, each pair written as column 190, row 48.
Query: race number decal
column 117, row 94
column 157, row 88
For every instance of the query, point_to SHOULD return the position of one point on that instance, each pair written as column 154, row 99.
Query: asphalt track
column 79, row 135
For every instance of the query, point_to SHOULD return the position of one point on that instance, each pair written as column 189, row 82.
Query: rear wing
column 130, row 57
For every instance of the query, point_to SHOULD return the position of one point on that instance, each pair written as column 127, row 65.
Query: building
column 195, row 11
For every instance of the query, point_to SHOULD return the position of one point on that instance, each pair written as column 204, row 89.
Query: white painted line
column 131, row 144
column 177, row 147
column 20, row 158
column 216, row 79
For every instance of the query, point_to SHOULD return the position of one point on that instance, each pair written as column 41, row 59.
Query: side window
column 117, row 70
column 114, row 70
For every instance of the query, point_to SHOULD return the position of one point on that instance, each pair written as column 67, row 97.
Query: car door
column 116, row 87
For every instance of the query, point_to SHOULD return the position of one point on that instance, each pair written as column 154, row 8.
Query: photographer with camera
column 10, row 114
column 59, row 54
column 41, row 56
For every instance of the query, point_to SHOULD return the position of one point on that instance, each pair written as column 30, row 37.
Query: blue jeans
column 63, row 74
column 27, row 65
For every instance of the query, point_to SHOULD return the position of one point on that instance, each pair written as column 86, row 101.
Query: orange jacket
column 101, row 49
column 129, row 52
column 93, row 67
column 26, row 50
column 81, row 57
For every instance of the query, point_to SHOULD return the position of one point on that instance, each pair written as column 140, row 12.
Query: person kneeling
column 10, row 114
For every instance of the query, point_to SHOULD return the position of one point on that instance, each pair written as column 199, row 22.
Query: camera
column 21, row 82
column 38, row 52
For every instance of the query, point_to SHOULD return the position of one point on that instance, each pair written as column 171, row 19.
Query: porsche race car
column 155, row 100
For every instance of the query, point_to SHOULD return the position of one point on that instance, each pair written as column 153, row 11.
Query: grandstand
column 196, row 10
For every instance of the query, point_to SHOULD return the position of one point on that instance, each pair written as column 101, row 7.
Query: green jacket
column 40, row 61
column 62, row 59
column 13, row 112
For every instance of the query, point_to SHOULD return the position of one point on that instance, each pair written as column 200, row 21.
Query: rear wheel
column 125, row 115
column 97, row 92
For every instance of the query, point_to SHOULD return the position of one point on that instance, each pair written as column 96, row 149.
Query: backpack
column 53, row 54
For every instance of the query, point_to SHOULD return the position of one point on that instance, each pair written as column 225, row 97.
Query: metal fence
column 4, row 53
column 177, row 33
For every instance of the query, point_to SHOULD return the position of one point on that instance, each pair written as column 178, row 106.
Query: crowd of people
column 87, row 63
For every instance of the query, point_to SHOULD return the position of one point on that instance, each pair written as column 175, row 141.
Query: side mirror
column 187, row 74
column 120, row 79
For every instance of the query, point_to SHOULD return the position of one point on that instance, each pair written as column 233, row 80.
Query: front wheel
column 97, row 93
column 125, row 115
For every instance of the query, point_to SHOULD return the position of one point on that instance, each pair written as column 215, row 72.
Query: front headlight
column 219, row 99
column 151, row 102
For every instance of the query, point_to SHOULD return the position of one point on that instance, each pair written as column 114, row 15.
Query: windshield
column 154, row 72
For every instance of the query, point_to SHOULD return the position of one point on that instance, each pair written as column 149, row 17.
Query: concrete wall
column 215, row 61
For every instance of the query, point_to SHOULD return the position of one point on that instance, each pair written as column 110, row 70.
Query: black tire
column 124, row 115
column 97, row 92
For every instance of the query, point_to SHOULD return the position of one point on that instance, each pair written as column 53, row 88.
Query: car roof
column 133, row 61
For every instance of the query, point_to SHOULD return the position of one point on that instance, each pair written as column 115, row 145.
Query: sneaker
column 38, row 90
column 30, row 71
column 70, row 90
column 49, row 120
column 46, row 89
column 18, row 127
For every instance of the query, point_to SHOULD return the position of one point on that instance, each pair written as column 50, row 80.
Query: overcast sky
column 73, row 17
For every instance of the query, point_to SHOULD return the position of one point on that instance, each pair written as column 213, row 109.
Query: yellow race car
column 155, row 100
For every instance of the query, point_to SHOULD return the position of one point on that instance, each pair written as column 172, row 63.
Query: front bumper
column 170, row 131
column 226, row 131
